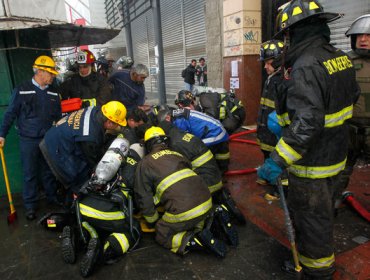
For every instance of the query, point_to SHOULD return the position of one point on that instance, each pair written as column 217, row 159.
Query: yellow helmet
column 154, row 135
column 46, row 63
column 116, row 112
column 152, row 132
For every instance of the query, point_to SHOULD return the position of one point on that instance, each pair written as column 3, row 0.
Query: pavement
column 28, row 251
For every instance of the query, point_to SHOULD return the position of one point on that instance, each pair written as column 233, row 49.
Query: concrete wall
column 242, row 34
column 214, row 44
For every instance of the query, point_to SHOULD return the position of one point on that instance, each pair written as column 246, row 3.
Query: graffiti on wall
column 251, row 36
column 232, row 38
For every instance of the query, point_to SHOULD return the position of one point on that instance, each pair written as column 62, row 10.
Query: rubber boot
column 228, row 201
column 205, row 240
column 91, row 256
column 68, row 245
column 110, row 255
column 223, row 228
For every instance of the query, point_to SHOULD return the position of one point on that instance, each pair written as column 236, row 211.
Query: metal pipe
column 159, row 45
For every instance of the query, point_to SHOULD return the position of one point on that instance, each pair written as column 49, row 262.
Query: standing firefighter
column 92, row 87
column 165, row 177
column 313, row 104
column 269, row 51
column 360, row 123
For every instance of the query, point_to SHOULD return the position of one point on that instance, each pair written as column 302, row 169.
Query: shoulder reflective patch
column 338, row 64
column 52, row 93
column 27, row 92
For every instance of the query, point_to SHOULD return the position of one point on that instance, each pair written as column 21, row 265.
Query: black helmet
column 271, row 49
column 297, row 11
column 185, row 98
column 360, row 25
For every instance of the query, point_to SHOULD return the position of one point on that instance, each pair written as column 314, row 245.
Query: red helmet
column 85, row 57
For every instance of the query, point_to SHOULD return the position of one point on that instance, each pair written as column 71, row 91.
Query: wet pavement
column 27, row 251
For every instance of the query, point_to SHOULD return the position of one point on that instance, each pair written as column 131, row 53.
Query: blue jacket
column 35, row 110
column 64, row 143
column 127, row 91
column 201, row 125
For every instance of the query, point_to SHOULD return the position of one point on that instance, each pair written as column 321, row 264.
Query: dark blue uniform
column 74, row 146
column 35, row 110
column 127, row 91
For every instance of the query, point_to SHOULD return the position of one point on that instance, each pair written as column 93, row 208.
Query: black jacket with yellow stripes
column 266, row 139
column 313, row 104
column 165, row 176
column 202, row 160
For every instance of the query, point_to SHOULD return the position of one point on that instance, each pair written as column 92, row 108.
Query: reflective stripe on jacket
column 313, row 106
column 166, row 175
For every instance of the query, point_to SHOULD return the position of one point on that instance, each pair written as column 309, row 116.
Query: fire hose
column 233, row 137
column 351, row 200
column 236, row 135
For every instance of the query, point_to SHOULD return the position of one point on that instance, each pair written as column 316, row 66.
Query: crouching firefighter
column 105, row 222
column 202, row 160
column 164, row 177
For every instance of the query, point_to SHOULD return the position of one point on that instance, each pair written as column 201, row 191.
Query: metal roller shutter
column 143, row 47
column 351, row 10
column 184, row 38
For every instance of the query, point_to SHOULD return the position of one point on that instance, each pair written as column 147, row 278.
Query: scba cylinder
column 111, row 161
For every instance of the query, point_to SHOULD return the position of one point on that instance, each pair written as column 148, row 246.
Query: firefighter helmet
column 115, row 111
column 154, row 135
column 271, row 50
column 360, row 25
column 85, row 57
column 185, row 98
column 297, row 11
column 125, row 61
column 46, row 63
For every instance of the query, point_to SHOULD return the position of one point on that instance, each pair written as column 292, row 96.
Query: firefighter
column 92, row 87
column 207, row 128
column 202, row 161
column 75, row 145
column 36, row 106
column 105, row 212
column 314, row 102
column 165, row 177
column 360, row 123
column 265, row 138
column 225, row 107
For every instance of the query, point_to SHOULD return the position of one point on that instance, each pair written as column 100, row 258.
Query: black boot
column 223, row 228
column 89, row 259
column 110, row 256
column 68, row 245
column 204, row 240
column 227, row 200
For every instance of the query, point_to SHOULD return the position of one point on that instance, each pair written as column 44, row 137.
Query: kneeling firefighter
column 104, row 214
column 225, row 107
column 164, row 177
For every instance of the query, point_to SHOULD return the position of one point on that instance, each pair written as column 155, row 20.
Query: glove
column 270, row 171
column 273, row 124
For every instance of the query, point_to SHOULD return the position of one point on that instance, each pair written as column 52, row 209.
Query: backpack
column 183, row 73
